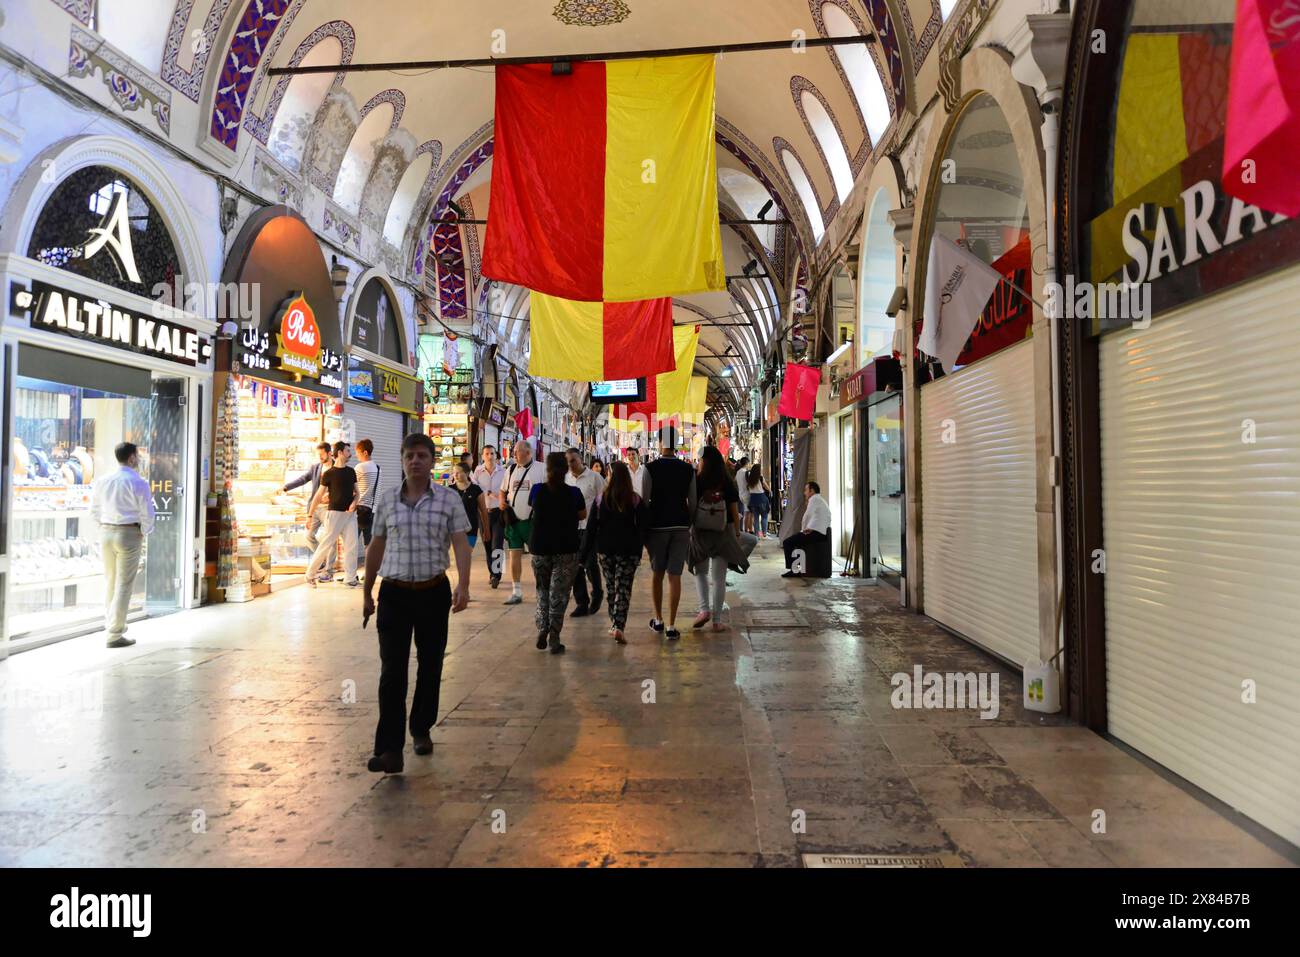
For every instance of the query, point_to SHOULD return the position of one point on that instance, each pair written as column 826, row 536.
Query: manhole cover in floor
column 881, row 860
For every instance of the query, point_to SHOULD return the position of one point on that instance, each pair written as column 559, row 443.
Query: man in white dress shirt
column 122, row 504
column 637, row 471
column 488, row 477
column 816, row 528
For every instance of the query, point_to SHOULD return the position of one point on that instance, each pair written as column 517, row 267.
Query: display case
column 450, row 434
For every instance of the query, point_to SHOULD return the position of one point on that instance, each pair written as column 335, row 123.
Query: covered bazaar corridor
column 234, row 717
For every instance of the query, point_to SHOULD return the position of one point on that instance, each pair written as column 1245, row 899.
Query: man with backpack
column 517, row 512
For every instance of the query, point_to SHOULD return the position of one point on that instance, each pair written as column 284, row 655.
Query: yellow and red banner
column 594, row 341
column 604, row 180
column 666, row 393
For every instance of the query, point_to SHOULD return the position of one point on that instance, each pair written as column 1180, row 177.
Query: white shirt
column 367, row 482
column 122, row 498
column 489, row 482
column 817, row 516
column 638, row 478
column 518, row 484
column 590, row 484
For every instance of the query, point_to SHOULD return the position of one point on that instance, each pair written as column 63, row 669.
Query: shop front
column 280, row 379
column 94, row 354
column 447, row 371
column 1182, row 473
column 384, row 397
column 978, row 429
column 866, row 460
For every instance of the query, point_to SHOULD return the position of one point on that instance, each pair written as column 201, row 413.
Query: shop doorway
column 885, row 473
column 67, row 415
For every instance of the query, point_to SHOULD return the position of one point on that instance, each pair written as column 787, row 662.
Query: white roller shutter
column 979, row 539
column 384, row 428
column 1200, row 430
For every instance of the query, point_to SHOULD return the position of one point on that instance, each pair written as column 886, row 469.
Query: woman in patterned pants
column 621, row 521
column 557, row 509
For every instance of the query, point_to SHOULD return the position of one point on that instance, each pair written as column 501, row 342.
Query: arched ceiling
column 763, row 101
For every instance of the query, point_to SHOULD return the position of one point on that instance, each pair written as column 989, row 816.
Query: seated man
column 816, row 529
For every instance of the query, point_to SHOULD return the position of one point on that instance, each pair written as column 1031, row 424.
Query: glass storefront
column 68, row 414
column 847, row 520
column 885, row 464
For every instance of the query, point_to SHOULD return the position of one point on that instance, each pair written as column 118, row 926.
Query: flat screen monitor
column 618, row 390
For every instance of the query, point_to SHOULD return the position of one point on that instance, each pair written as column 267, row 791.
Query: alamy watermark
column 934, row 690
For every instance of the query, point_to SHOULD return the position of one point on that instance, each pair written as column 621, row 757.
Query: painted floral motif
column 591, row 13
column 254, row 32
column 124, row 91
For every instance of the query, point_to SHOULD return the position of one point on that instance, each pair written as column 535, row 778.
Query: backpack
column 711, row 512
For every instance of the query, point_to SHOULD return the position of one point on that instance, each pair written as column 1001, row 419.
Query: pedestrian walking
column 488, row 477
column 715, row 536
column 122, row 506
column 591, row 485
column 473, row 498
column 637, row 471
column 416, row 523
column 670, row 490
column 742, row 487
column 314, row 518
column 516, row 511
column 367, row 485
column 338, row 490
column 557, row 508
column 760, row 501
column 621, row 526
column 598, row 467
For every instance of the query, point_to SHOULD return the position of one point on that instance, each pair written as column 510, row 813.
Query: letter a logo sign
column 115, row 231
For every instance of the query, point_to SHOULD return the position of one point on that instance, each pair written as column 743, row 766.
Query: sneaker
column 618, row 635
column 121, row 641
column 515, row 599
column 556, row 647
column 326, row 578
column 672, row 634
column 789, row 575
column 582, row 611
column 355, row 583
column 656, row 624
column 494, row 581
column 701, row 620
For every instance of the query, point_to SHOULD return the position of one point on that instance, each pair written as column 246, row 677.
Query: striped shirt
column 417, row 537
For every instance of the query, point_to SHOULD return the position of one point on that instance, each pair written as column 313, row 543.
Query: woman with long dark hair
column 620, row 533
column 557, row 509
column 760, row 502
column 715, row 536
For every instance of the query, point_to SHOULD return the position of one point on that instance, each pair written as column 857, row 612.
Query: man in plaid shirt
column 414, row 525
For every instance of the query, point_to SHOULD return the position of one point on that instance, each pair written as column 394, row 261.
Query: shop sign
column 255, row 355
column 298, row 343
column 879, row 374
column 384, row 387
column 1182, row 235
column 59, row 310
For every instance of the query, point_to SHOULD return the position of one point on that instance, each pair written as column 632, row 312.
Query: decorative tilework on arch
column 249, row 43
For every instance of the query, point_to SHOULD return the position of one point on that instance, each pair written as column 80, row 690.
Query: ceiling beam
column 752, row 47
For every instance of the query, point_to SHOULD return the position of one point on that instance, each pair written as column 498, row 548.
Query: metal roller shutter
column 1202, row 544
column 384, row 428
column 979, row 539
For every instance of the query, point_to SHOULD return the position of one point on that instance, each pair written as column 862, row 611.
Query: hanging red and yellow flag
column 666, row 393
column 595, row 341
column 604, row 180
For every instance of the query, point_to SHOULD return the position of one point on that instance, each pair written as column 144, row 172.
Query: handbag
column 508, row 513
column 711, row 512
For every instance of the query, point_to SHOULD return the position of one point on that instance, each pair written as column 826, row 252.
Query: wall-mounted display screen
column 618, row 390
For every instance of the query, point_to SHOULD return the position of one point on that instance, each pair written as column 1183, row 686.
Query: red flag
column 799, row 394
column 524, row 422
column 1262, row 135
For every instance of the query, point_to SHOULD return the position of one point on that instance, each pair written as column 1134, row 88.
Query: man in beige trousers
column 122, row 504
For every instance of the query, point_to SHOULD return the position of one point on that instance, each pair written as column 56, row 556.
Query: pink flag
column 1262, row 137
column 524, row 421
column 799, row 394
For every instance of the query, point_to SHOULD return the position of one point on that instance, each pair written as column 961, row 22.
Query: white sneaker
column 515, row 599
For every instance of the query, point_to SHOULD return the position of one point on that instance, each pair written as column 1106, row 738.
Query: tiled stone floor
column 222, row 738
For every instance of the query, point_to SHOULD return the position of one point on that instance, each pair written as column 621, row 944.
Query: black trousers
column 802, row 540
column 494, row 540
column 588, row 571
column 365, row 525
column 399, row 613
